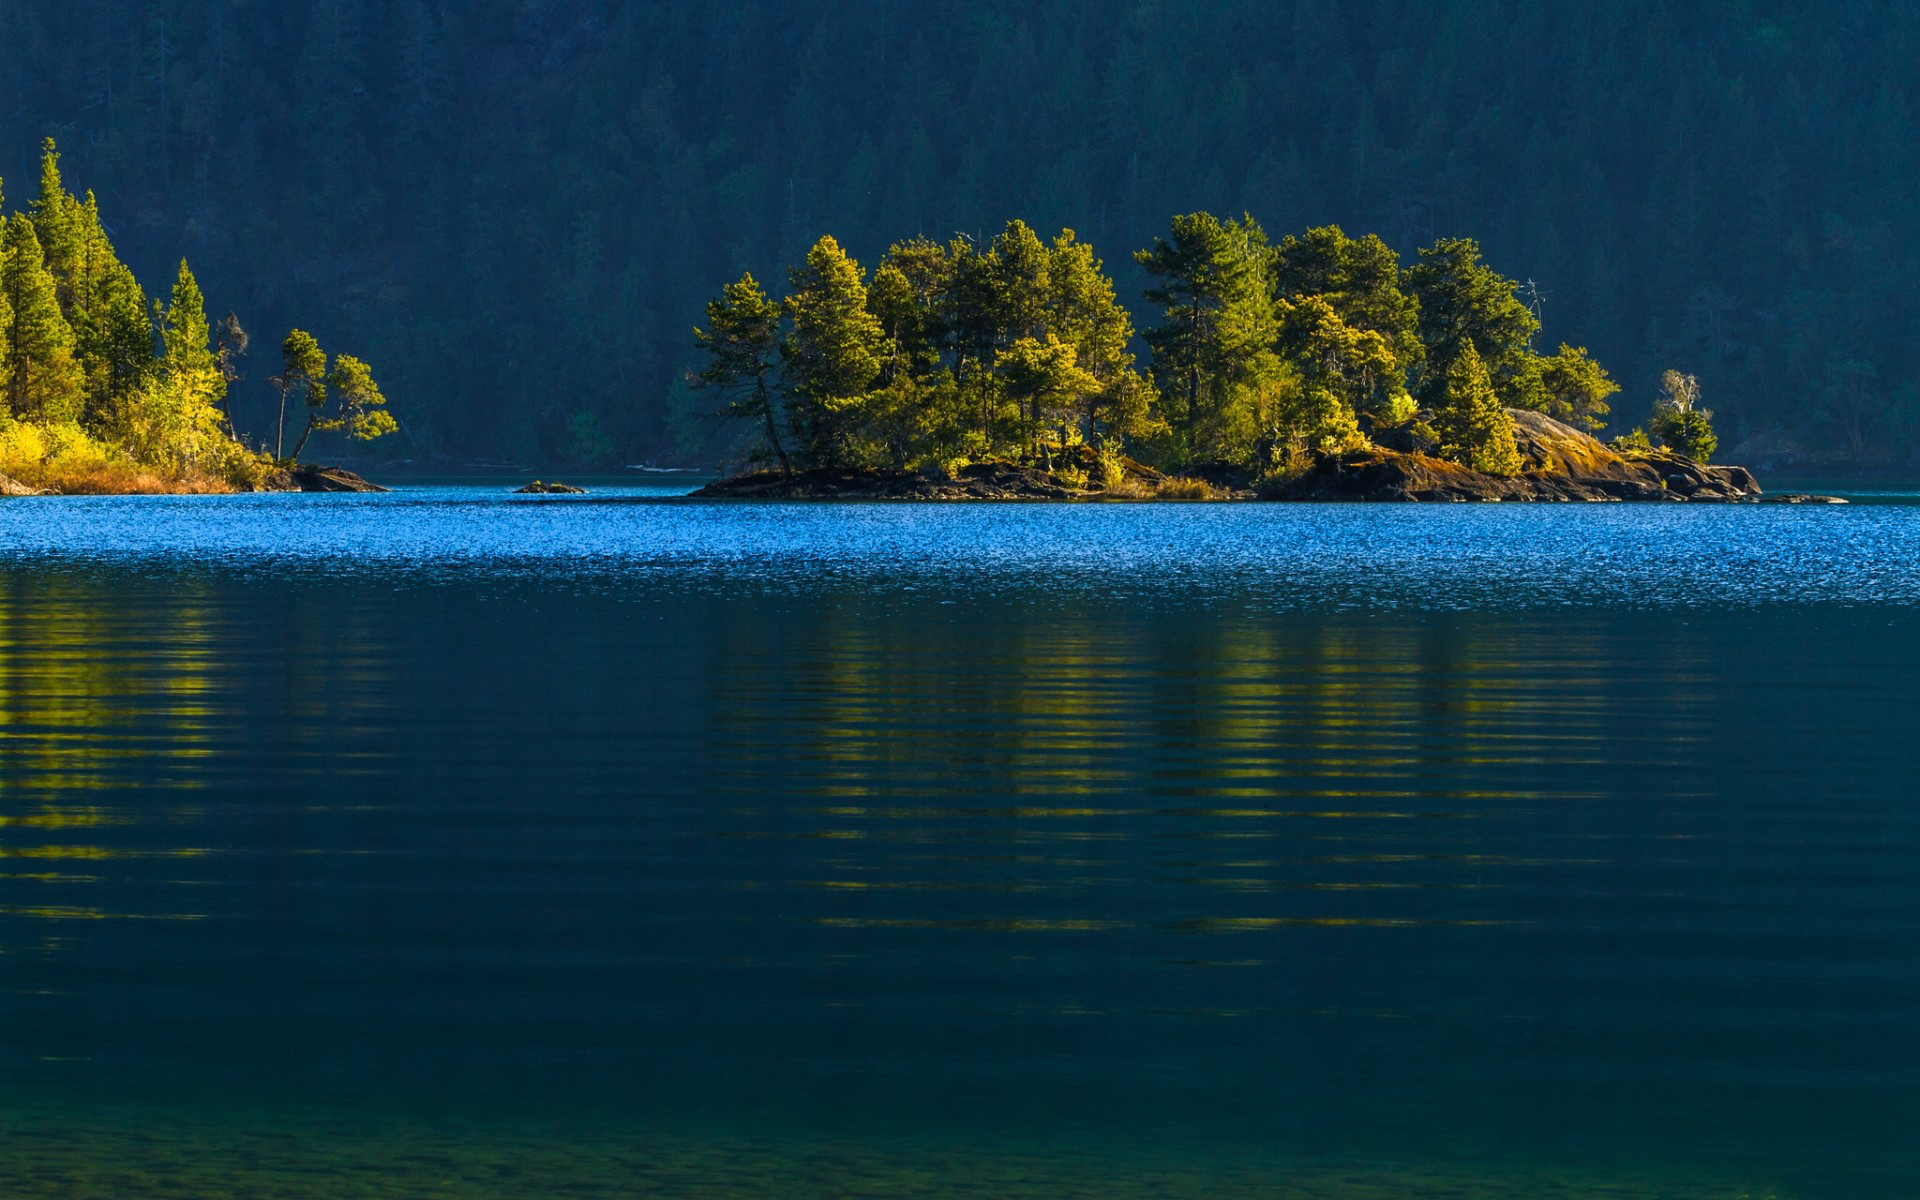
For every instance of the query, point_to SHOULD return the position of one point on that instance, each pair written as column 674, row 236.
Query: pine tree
column 350, row 403
column 58, row 223
column 1217, row 336
column 1463, row 302
column 1475, row 429
column 42, row 381
column 112, row 325
column 302, row 373
column 833, row 354
column 742, row 341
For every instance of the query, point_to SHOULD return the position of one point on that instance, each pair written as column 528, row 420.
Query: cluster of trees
column 513, row 205
column 1263, row 352
column 90, row 370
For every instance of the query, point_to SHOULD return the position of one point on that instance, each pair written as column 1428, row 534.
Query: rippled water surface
column 450, row 844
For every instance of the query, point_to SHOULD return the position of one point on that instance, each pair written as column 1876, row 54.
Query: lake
column 447, row 843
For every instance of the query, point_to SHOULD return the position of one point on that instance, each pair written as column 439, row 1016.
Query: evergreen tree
column 302, row 373
column 1340, row 366
column 112, row 325
column 1047, row 384
column 350, row 402
column 1576, row 388
column 1360, row 279
column 1463, row 302
column 1475, row 429
column 832, row 355
column 742, row 342
column 58, row 223
column 1218, row 320
column 42, row 381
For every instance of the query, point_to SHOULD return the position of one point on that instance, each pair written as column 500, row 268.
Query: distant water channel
column 448, row 843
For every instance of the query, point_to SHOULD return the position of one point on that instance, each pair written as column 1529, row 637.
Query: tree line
column 94, row 375
column 513, row 206
column 1263, row 354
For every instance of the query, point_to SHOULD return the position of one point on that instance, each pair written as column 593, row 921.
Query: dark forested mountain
column 520, row 207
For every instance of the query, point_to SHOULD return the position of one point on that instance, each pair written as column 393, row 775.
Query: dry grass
column 1178, row 488
column 116, row 479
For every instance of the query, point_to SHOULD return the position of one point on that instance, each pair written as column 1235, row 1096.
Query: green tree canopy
column 1475, row 429
column 742, row 342
column 42, row 381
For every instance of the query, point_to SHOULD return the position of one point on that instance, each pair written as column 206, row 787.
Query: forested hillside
column 519, row 208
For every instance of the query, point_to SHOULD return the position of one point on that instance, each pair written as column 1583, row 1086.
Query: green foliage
column 1634, row 441
column 742, row 342
column 1213, row 353
column 41, row 380
column 1576, row 388
column 1679, row 422
column 1360, row 279
column 832, row 355
column 1464, row 303
column 1474, row 428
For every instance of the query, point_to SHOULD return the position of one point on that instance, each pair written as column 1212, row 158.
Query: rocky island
column 1318, row 368
column 1558, row 463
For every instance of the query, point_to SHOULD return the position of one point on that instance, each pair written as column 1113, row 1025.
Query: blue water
column 1116, row 849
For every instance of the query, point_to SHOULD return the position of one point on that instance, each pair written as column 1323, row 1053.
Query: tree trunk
column 280, row 435
column 773, row 431
column 304, row 435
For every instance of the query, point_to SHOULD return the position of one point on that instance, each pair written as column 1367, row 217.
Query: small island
column 103, row 391
column 1315, row 368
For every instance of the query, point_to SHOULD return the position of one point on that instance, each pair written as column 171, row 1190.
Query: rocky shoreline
column 1560, row 463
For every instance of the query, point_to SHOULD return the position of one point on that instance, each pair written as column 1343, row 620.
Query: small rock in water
column 537, row 488
column 1802, row 498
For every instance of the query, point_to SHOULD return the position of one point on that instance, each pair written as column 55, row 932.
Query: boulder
column 330, row 479
column 537, row 488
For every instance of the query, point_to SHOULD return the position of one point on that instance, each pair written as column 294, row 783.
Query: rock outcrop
column 537, row 488
column 330, row 479
column 1558, row 462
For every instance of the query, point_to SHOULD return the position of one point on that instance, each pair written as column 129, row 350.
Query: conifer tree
column 1361, row 279
column 1577, row 388
column 303, row 370
column 833, row 354
column 742, row 341
column 1047, row 384
column 42, row 381
column 58, row 223
column 1475, row 429
column 350, row 402
column 1465, row 302
column 1218, row 320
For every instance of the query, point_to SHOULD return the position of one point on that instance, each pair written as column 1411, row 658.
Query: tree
column 1218, row 320
column 1463, row 302
column 1475, row 429
column 1576, row 388
column 112, row 326
column 832, row 355
column 742, row 342
column 58, row 223
column 1341, row 366
column 230, row 346
column 1046, row 381
column 1360, row 279
column 350, row 403
column 1679, row 421
column 42, row 381
column 303, row 372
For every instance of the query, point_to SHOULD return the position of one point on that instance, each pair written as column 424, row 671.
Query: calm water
column 448, row 844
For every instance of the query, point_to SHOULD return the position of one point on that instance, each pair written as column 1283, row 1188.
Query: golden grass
column 116, row 479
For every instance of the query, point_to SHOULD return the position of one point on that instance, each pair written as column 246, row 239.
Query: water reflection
column 832, row 848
